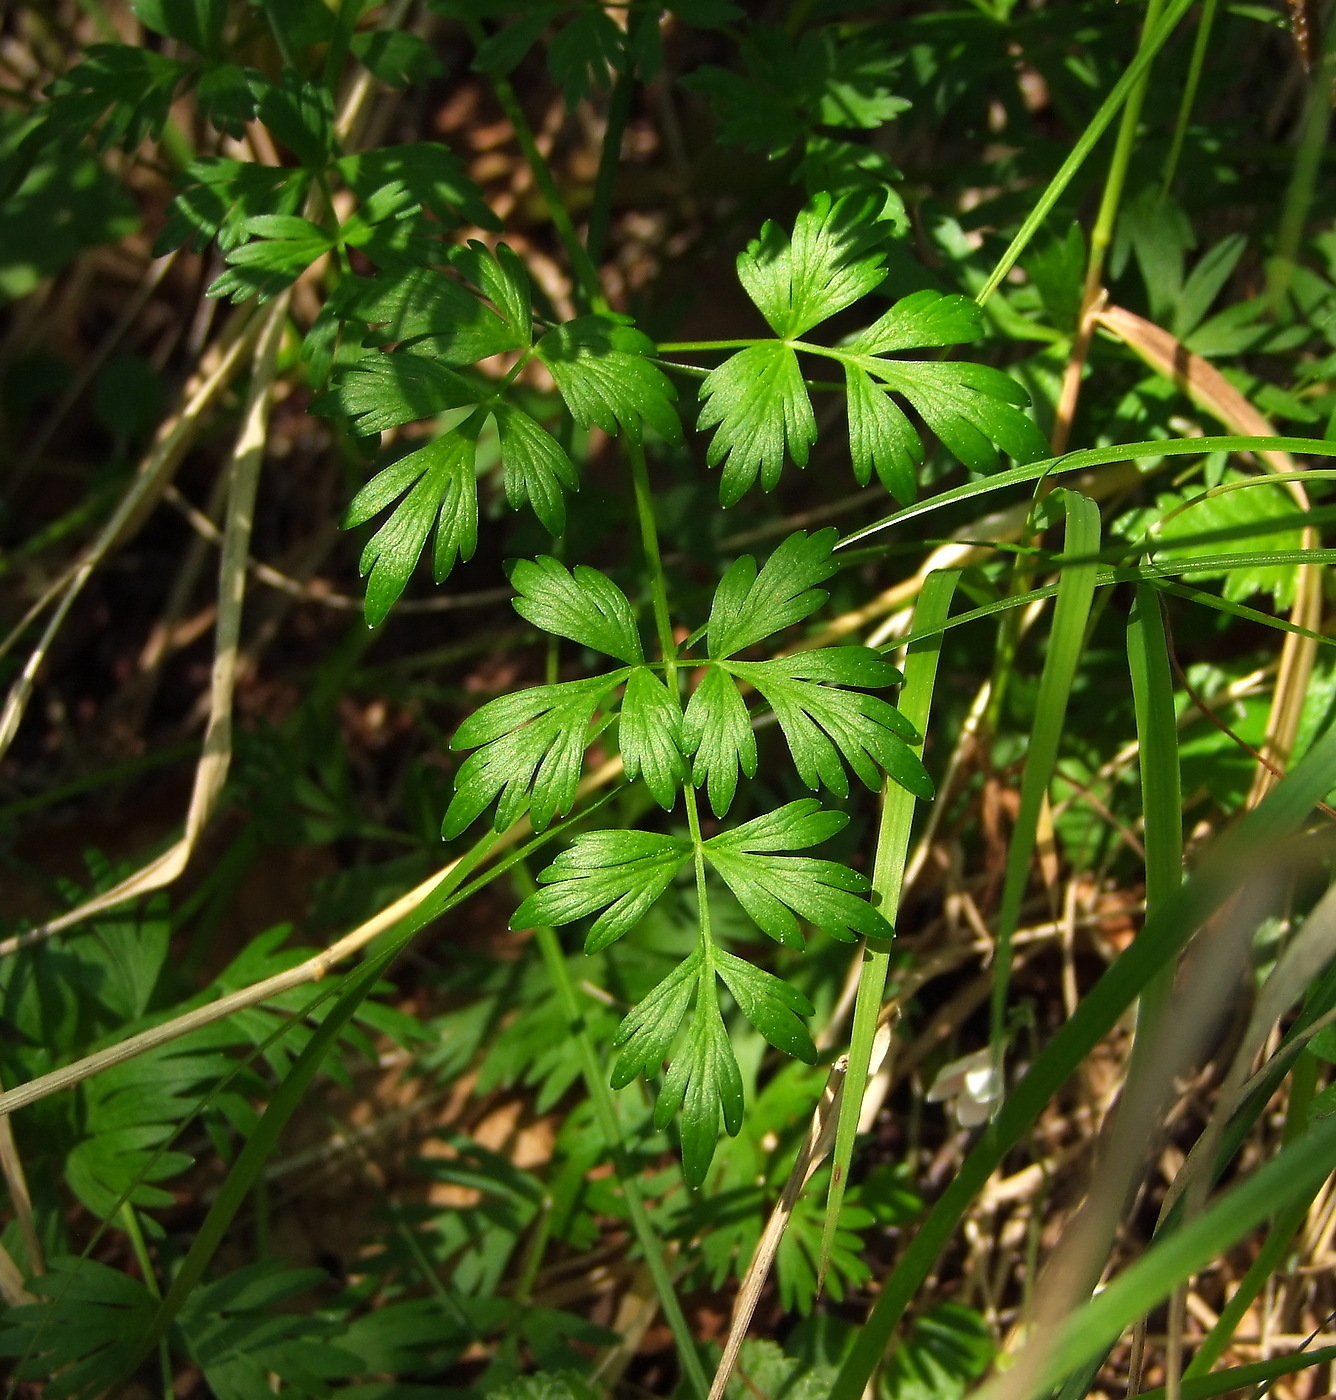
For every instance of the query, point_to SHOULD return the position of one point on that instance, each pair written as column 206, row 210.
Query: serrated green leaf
column 646, row 1034
column 585, row 53
column 221, row 196
column 717, row 736
column 649, row 735
column 829, row 262
column 532, row 750
column 441, row 493
column 226, row 95
column 124, row 92
column 770, row 1004
column 198, row 23
column 922, row 320
column 603, row 372
column 431, row 310
column 619, row 872
column 774, row 888
column 759, row 403
column 749, row 606
column 383, row 391
column 535, row 467
column 970, row 407
column 501, row 277
column 703, row 1081
column 823, row 724
column 584, row 606
column 398, row 59
column 282, row 248
column 881, row 438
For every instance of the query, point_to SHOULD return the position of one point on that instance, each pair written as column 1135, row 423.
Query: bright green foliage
column 759, row 404
column 436, row 484
column 704, row 1083
column 584, row 606
column 650, row 736
column 773, row 888
column 750, row 606
column 619, row 872
column 717, row 736
column 601, row 367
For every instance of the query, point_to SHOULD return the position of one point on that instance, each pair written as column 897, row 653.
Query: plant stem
column 1195, row 66
column 1303, row 177
column 649, row 540
column 605, row 1110
column 610, row 157
column 130, row 1220
column 588, row 289
column 690, row 347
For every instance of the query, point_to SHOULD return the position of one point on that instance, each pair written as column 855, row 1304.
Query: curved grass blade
column 1071, row 612
column 1274, row 820
column 897, row 815
column 1094, row 457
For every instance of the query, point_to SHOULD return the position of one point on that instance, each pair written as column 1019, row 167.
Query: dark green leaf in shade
column 124, row 92
column 78, row 1337
column 535, row 468
column 702, row 1080
column 300, row 114
column 301, row 22
column 823, row 724
column 649, row 735
column 226, row 94
column 770, row 1004
column 749, row 606
column 584, row 606
column 382, row 391
column 621, row 873
column 431, row 173
column 221, row 196
column 440, row 318
column 198, row 23
column 774, row 888
column 586, row 52
column 397, row 58
column 282, row 247
column 717, row 735
column 530, row 751
column 759, row 403
column 603, row 372
column 440, row 491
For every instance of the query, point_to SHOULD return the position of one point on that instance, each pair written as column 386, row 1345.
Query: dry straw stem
column 314, row 969
column 216, row 757
column 1214, row 394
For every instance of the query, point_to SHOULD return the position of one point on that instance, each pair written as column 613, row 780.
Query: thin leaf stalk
column 1196, row 65
column 605, row 1111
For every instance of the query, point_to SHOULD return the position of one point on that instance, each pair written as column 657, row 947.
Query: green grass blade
column 1275, row 819
column 1093, row 457
column 1071, row 612
column 1298, row 1168
column 1242, row 1377
column 1195, row 65
column 1151, row 44
column 897, row 815
column 1161, row 785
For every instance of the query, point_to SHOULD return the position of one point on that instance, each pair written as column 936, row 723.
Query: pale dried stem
column 16, row 1181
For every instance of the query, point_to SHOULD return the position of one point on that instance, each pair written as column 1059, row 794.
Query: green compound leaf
column 198, row 23
column 760, row 405
column 282, row 248
column 920, row 321
column 717, row 734
column 534, row 467
column 881, row 438
column 970, row 407
column 646, row 1034
column 603, row 372
column 649, row 736
column 531, row 748
column 501, row 277
column 770, row 1004
column 620, row 872
column 221, row 196
column 823, row 724
column 441, row 491
column 300, row 115
column 383, row 391
column 128, row 90
column 78, row 1339
column 430, row 310
column 584, row 606
column 831, row 260
column 773, row 888
column 749, row 606
column 430, row 172
column 702, row 1081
